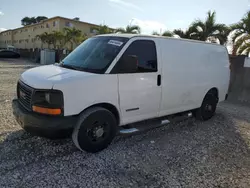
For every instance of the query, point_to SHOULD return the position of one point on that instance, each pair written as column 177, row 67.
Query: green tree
column 25, row 21
column 165, row 33
column 32, row 20
column 155, row 33
column 72, row 36
column 134, row 29
column 209, row 29
column 40, row 18
column 57, row 39
column 43, row 38
column 241, row 35
column 49, row 38
column 185, row 34
column 102, row 29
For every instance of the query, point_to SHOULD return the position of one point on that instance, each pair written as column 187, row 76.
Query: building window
column 47, row 25
column 67, row 24
column 55, row 23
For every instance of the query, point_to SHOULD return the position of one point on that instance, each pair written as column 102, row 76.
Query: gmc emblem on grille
column 22, row 94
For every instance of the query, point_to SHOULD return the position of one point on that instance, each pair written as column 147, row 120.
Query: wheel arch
column 112, row 108
column 214, row 91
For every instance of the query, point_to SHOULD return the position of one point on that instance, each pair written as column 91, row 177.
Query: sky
column 150, row 15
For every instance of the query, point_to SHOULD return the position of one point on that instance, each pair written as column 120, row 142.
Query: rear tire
column 94, row 130
column 208, row 107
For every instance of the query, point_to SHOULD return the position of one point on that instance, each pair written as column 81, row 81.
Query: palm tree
column 134, row 29
column 51, row 38
column 78, row 40
column 44, row 37
column 241, row 36
column 185, row 34
column 209, row 30
column 165, row 33
column 57, row 37
column 72, row 36
column 102, row 29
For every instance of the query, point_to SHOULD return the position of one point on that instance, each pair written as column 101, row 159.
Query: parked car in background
column 9, row 54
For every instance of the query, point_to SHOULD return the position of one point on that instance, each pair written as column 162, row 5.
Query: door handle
column 158, row 79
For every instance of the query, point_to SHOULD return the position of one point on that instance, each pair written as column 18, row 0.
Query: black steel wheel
column 208, row 108
column 95, row 130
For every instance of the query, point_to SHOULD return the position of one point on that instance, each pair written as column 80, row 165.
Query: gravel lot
column 215, row 153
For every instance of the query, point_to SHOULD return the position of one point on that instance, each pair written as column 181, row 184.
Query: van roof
column 127, row 35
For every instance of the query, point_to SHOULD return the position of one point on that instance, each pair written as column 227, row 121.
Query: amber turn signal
column 49, row 111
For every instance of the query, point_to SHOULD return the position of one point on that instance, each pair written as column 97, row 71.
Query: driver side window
column 145, row 51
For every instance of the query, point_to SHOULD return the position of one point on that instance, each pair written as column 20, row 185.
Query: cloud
column 1, row 13
column 2, row 29
column 125, row 4
column 148, row 26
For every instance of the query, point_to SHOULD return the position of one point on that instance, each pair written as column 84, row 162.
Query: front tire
column 208, row 107
column 94, row 130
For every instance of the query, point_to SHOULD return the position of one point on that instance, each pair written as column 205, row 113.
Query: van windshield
column 95, row 54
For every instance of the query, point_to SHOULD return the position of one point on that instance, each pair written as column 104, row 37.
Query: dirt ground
column 215, row 153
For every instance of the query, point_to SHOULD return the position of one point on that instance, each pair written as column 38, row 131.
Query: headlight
column 48, row 102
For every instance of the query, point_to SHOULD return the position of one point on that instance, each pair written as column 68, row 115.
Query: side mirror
column 129, row 64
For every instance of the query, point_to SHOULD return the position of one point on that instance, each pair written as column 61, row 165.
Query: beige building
column 25, row 37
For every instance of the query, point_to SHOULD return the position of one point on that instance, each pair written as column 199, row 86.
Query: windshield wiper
column 69, row 66
column 79, row 68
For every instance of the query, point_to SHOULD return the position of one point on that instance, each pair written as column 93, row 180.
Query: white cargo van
column 114, row 80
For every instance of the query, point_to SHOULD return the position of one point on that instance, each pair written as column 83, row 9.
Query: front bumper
column 42, row 125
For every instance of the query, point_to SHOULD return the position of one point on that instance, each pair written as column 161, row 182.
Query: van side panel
column 190, row 69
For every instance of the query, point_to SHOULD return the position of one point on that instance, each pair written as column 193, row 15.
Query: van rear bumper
column 42, row 125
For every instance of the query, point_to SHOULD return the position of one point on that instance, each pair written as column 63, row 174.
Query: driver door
column 140, row 92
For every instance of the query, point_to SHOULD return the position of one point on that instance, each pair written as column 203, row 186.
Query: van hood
column 44, row 77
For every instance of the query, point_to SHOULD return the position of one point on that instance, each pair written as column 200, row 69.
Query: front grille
column 24, row 94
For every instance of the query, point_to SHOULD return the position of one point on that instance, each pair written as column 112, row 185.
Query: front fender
column 79, row 93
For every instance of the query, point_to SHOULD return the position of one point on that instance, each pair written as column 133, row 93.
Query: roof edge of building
column 55, row 17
